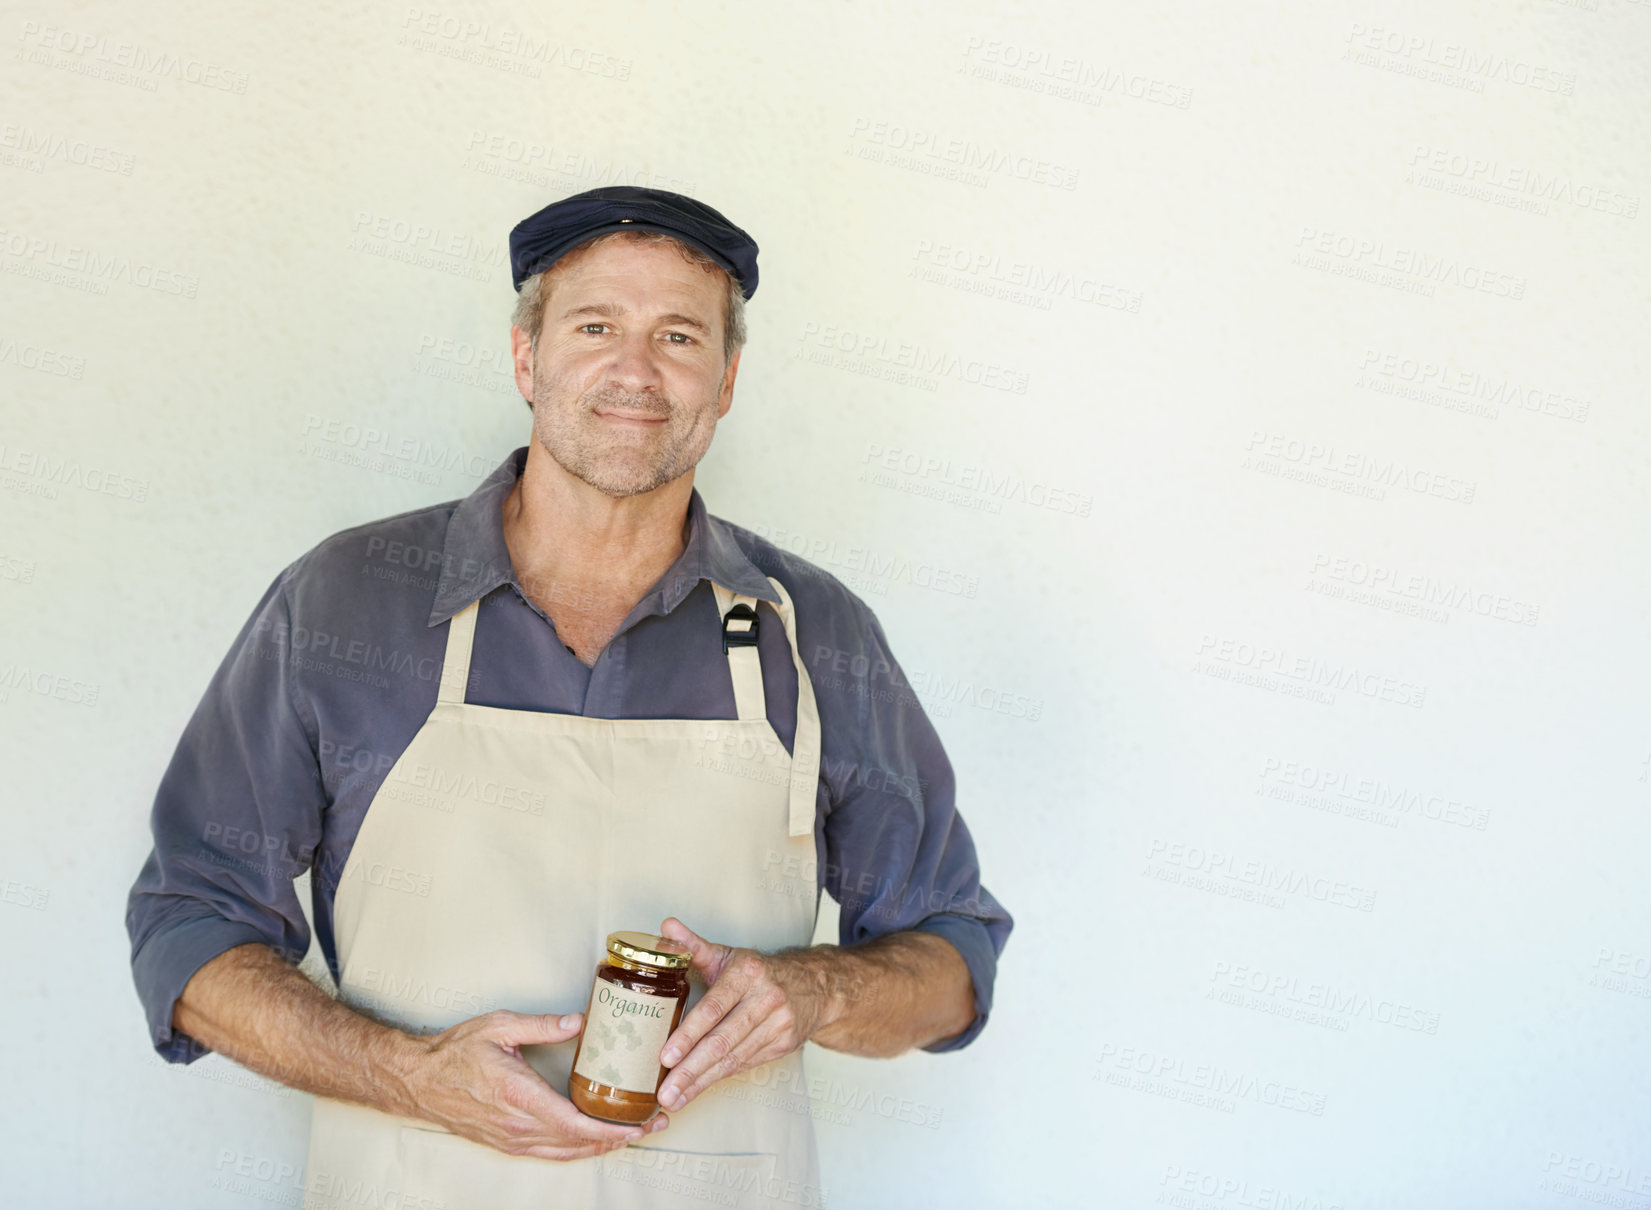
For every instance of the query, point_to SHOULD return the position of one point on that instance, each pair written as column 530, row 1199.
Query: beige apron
column 500, row 851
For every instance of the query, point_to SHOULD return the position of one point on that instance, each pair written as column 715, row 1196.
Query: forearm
column 255, row 1007
column 884, row 997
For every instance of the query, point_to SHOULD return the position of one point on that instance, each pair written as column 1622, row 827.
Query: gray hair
column 530, row 303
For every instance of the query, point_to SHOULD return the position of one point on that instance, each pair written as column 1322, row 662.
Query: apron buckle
column 739, row 627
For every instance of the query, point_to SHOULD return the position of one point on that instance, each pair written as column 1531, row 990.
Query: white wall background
column 1338, row 335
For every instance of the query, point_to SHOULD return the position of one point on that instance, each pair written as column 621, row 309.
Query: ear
column 521, row 355
column 725, row 397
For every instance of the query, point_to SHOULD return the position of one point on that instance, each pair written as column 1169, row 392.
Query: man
column 574, row 702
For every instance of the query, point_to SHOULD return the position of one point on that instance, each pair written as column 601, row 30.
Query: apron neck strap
column 738, row 615
column 805, row 746
column 743, row 668
column 455, row 664
column 748, row 697
column 740, row 637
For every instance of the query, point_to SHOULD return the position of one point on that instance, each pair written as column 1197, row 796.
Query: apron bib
column 501, row 849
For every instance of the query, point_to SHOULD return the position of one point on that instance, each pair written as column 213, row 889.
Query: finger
column 719, row 1000
column 574, row 1148
column 560, row 1116
column 525, row 1133
column 569, row 1121
column 717, row 1044
column 765, row 1042
column 584, row 1151
column 708, row 956
column 530, row 1029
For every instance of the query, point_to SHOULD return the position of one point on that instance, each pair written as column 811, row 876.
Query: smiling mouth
column 629, row 419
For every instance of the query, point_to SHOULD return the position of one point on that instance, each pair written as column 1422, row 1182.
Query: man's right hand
column 473, row 1080
column 252, row 1005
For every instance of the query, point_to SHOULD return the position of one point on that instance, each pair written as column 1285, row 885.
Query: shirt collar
column 475, row 559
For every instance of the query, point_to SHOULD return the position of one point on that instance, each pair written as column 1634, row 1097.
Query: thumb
column 532, row 1029
column 708, row 955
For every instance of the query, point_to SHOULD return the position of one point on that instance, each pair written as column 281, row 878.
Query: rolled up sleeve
column 236, row 819
column 898, row 855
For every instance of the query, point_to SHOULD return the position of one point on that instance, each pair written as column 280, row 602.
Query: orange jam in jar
column 636, row 1001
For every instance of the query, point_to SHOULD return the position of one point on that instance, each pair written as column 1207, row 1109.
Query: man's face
column 628, row 382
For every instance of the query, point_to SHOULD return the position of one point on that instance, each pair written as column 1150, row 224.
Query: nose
column 635, row 365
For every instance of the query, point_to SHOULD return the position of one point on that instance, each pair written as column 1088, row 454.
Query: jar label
column 624, row 1032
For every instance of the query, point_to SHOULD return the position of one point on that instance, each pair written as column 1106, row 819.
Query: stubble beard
column 618, row 463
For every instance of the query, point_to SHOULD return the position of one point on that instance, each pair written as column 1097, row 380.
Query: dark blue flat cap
column 540, row 240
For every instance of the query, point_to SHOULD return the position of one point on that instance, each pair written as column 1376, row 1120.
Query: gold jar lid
column 649, row 950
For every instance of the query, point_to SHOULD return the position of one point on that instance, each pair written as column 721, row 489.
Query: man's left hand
column 756, row 1008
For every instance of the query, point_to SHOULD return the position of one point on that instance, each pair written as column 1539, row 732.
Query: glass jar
column 636, row 1001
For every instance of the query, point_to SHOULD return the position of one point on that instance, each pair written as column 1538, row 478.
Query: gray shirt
column 337, row 669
